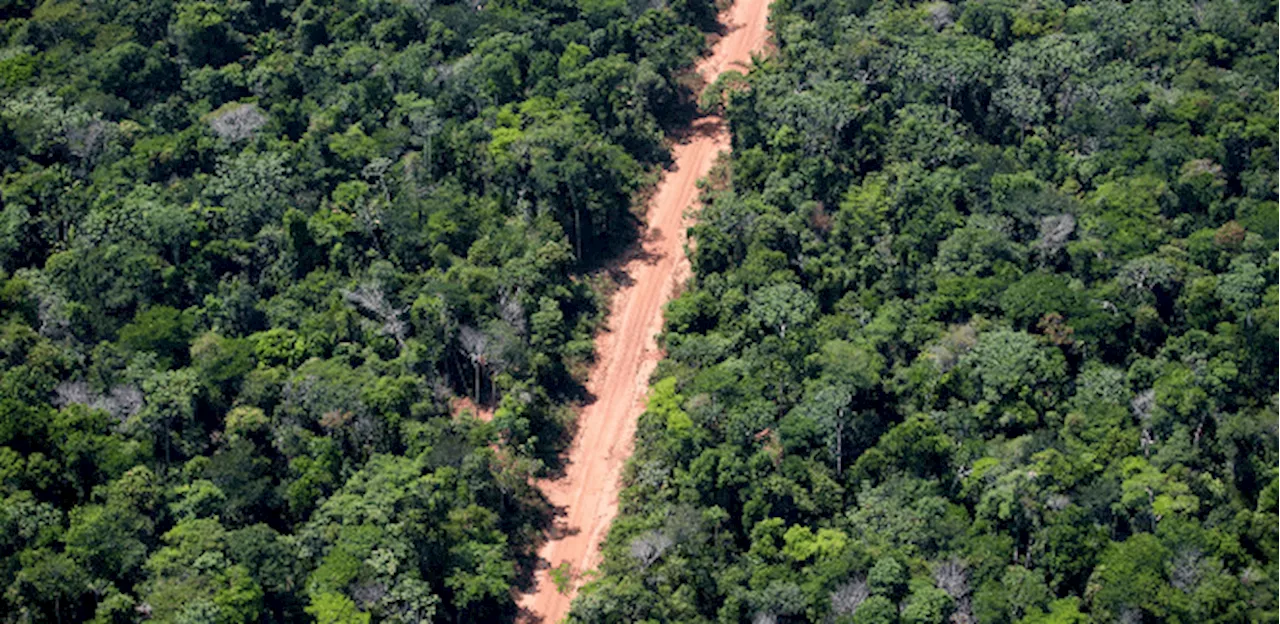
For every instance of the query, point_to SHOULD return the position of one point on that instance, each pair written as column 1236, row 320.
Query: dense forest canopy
column 250, row 250
column 983, row 328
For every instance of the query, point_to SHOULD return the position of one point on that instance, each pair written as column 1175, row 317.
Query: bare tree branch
column 238, row 123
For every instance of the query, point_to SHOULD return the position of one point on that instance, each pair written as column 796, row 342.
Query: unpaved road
column 627, row 352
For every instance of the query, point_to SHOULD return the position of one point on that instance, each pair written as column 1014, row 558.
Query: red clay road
column 626, row 353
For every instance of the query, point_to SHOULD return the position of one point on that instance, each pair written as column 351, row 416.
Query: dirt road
column 627, row 352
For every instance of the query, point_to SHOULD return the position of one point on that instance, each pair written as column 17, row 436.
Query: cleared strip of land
column 627, row 352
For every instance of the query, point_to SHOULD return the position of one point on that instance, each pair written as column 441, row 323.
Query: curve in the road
column 627, row 353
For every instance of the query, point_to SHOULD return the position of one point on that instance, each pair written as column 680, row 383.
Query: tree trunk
column 840, row 442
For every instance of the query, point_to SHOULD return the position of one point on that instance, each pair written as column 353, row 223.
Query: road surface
column 626, row 353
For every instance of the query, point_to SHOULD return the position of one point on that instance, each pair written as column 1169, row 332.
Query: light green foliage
column 193, row 581
column 664, row 404
column 1063, row 611
column 926, row 605
column 1148, row 489
column 888, row 578
column 802, row 544
column 1241, row 288
column 781, row 306
column 250, row 190
column 1024, row 590
column 331, row 608
column 562, row 576
column 1014, row 371
column 105, row 539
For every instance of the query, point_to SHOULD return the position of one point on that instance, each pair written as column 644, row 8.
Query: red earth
column 627, row 352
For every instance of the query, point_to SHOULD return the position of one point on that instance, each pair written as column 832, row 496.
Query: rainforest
column 639, row 311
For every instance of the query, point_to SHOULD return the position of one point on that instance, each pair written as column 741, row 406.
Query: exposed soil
column 460, row 405
column 586, row 496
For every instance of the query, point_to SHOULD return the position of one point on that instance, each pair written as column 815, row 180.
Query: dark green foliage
column 987, row 291
column 249, row 253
